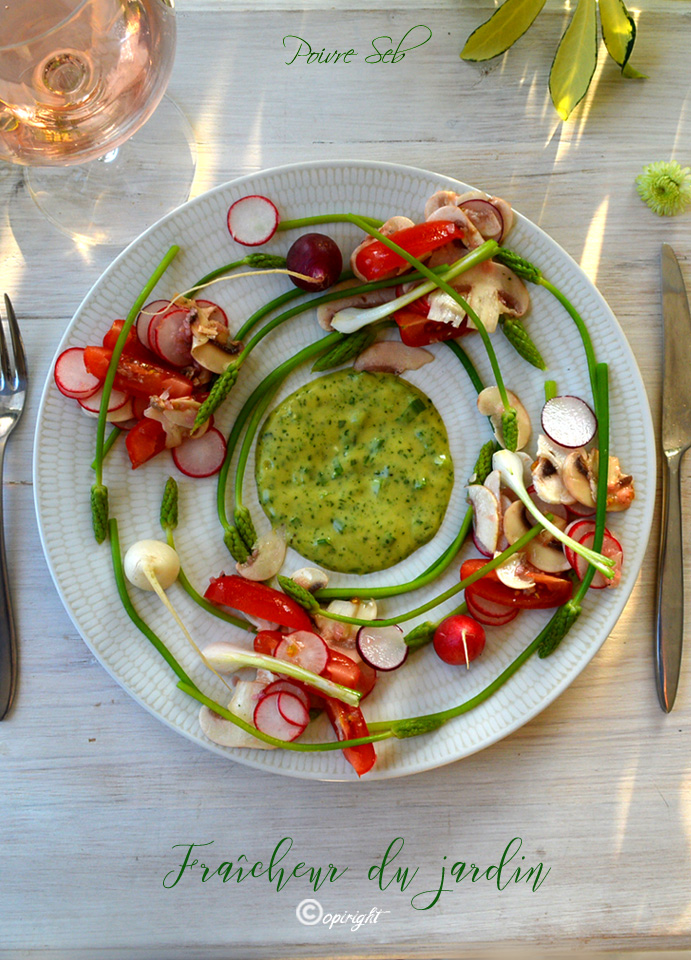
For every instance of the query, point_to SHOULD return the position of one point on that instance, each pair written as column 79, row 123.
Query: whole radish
column 459, row 639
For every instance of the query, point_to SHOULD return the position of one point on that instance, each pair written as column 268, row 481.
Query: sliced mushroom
column 267, row 557
column 490, row 289
column 549, row 559
column 513, row 573
column 176, row 415
column 227, row 734
column 392, row 225
column 392, row 356
column 575, row 474
column 547, row 472
column 212, row 346
column 620, row 488
column 442, row 198
column 310, row 578
column 515, row 523
column 327, row 311
column 489, row 404
column 485, row 518
column 338, row 634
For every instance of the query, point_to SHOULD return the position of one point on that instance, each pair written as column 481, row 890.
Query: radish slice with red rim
column 201, row 456
column 71, row 376
column 610, row 548
column 293, row 709
column 569, row 421
column 116, row 400
column 217, row 315
column 489, row 607
column 252, row 220
column 304, row 648
column 171, row 337
column 486, row 619
column 383, row 648
column 485, row 216
column 580, row 510
column 269, row 719
column 147, row 314
column 288, row 686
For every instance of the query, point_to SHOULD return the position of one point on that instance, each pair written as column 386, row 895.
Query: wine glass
column 77, row 79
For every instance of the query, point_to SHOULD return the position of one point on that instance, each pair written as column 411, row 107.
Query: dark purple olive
column 315, row 255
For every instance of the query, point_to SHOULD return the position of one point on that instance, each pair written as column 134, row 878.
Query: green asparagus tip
column 415, row 727
column 298, row 593
column 169, row 505
column 236, row 545
column 420, row 635
column 99, row 511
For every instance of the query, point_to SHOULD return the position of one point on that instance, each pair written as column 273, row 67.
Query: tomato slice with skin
column 376, row 261
column 258, row 600
column 133, row 346
column 145, row 440
column 416, row 330
column 266, row 641
column 137, row 377
column 349, row 723
column 548, row 591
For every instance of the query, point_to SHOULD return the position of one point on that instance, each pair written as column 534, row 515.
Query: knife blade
column 676, row 439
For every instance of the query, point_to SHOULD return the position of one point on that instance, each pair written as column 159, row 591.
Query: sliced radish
column 217, row 315
column 147, row 314
column 489, row 607
column 610, row 548
column 580, row 510
column 569, row 421
column 293, row 709
column 485, row 216
column 486, row 619
column 201, row 456
column 288, row 686
column 171, row 337
column 382, row 647
column 556, row 509
column 252, row 220
column 304, row 648
column 71, row 376
column 269, row 719
column 117, row 400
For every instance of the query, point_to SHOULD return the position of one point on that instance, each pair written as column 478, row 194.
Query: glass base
column 113, row 199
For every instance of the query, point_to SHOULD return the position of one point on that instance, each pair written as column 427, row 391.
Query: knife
column 676, row 439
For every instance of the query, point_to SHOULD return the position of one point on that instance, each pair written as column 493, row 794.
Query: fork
column 12, row 395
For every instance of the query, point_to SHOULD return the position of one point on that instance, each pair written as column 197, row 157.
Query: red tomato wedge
column 376, row 261
column 133, row 345
column 145, row 440
column 137, row 377
column 266, row 641
column 258, row 600
column 349, row 723
column 417, row 331
column 548, row 591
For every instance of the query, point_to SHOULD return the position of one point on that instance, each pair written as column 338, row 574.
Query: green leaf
column 618, row 30
column 504, row 27
column 575, row 60
column 632, row 74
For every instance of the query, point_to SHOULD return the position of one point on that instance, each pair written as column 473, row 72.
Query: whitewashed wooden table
column 95, row 794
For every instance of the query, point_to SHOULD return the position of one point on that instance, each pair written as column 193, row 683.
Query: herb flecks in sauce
column 358, row 468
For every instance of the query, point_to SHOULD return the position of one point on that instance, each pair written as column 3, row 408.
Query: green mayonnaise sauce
column 357, row 468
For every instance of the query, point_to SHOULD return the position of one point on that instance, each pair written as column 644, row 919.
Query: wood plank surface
column 96, row 795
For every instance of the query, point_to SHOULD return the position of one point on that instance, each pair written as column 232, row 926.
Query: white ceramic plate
column 82, row 570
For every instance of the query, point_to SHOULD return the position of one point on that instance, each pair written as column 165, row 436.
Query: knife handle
column 670, row 588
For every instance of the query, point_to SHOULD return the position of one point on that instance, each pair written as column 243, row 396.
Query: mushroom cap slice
column 227, row 734
column 489, row 404
column 575, row 475
column 392, row 356
column 515, row 524
column 486, row 517
column 512, row 573
column 547, row 558
column 267, row 557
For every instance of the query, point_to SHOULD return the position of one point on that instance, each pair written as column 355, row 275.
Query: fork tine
column 6, row 369
column 17, row 342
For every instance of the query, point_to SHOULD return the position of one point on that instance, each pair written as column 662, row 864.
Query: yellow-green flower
column 665, row 186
